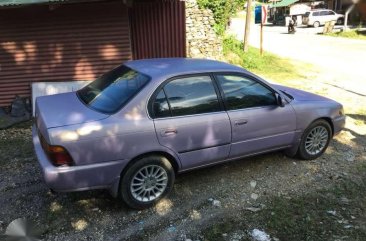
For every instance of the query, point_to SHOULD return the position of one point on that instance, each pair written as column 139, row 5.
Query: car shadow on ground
column 82, row 212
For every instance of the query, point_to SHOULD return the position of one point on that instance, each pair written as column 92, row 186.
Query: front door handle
column 169, row 132
column 240, row 122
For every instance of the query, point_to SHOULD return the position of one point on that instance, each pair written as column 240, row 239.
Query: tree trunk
column 247, row 25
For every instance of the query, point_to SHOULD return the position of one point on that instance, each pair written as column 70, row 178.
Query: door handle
column 240, row 122
column 169, row 132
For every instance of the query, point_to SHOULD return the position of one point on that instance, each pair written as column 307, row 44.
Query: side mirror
column 280, row 101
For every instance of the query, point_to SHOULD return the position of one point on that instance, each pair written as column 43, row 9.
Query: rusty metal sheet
column 158, row 29
column 70, row 42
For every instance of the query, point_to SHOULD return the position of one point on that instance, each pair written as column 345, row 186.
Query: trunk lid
column 62, row 110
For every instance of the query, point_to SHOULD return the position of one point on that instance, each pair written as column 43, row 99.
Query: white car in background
column 320, row 16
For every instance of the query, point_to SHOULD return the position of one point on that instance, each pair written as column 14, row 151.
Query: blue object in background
column 258, row 14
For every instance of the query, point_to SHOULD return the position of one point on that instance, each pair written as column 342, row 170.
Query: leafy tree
column 222, row 11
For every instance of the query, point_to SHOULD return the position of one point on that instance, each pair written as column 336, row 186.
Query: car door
column 324, row 16
column 190, row 120
column 258, row 122
column 332, row 16
column 316, row 17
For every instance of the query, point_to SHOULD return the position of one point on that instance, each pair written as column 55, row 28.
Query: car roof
column 169, row 67
column 320, row 9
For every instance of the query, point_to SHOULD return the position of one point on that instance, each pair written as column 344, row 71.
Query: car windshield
column 307, row 14
column 113, row 90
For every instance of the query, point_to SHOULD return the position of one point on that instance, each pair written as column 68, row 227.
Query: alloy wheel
column 149, row 183
column 316, row 140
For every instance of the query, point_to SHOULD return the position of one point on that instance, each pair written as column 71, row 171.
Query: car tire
column 340, row 21
column 316, row 24
column 146, row 181
column 315, row 140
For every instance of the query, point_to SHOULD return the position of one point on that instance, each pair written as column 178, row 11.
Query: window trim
column 150, row 108
column 246, row 76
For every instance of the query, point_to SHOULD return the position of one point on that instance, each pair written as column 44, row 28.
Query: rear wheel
column 316, row 24
column 315, row 140
column 146, row 181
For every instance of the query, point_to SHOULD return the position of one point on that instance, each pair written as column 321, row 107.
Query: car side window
column 331, row 13
column 160, row 106
column 324, row 13
column 316, row 13
column 190, row 95
column 241, row 92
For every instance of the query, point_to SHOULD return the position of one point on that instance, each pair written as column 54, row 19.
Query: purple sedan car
column 134, row 128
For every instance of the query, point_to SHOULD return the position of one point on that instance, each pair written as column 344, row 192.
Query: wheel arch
column 174, row 161
column 291, row 152
column 327, row 119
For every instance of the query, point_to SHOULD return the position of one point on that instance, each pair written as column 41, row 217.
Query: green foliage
column 356, row 34
column 268, row 65
column 222, row 11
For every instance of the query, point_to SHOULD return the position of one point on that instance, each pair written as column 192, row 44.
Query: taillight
column 58, row 155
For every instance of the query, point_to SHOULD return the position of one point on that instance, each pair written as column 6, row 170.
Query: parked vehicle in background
column 133, row 129
column 318, row 17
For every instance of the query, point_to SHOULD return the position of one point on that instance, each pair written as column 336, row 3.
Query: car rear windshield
column 113, row 90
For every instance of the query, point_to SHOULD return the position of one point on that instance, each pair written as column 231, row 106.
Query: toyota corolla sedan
column 135, row 128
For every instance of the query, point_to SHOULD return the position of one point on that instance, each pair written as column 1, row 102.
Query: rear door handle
column 168, row 132
column 240, row 122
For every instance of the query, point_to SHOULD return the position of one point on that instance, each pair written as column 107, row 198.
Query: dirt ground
column 287, row 198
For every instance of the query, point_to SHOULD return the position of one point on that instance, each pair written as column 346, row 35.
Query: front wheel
column 340, row 21
column 315, row 140
column 146, row 181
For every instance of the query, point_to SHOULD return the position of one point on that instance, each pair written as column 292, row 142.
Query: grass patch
column 269, row 65
column 337, row 213
column 355, row 34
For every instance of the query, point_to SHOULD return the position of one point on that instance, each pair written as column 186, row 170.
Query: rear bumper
column 77, row 178
column 338, row 124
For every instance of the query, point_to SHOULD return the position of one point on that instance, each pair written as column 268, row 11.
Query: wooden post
column 263, row 20
column 261, row 43
column 247, row 25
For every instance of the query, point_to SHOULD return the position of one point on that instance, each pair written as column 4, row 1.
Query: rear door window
column 161, row 107
column 186, row 96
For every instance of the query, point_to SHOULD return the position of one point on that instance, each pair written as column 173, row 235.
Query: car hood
column 62, row 110
column 301, row 95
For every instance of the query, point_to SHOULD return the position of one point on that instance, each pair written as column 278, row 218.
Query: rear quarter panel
column 120, row 137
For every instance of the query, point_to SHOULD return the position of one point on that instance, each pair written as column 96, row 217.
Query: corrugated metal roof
column 283, row 3
column 26, row 2
column 9, row 3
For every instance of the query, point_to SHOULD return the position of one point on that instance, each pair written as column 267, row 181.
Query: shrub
column 269, row 65
column 222, row 11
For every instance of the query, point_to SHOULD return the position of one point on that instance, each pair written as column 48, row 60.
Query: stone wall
column 202, row 41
